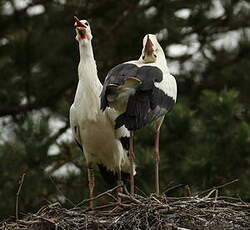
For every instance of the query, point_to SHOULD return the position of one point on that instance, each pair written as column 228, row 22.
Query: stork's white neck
column 87, row 70
column 89, row 87
column 162, row 59
column 86, row 51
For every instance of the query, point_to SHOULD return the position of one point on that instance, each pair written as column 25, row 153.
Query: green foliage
column 222, row 147
column 25, row 154
column 205, row 140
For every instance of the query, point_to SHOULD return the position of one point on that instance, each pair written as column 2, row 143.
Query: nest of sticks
column 206, row 210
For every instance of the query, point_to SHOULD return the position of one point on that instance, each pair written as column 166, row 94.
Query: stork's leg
column 156, row 161
column 119, row 182
column 91, row 181
column 156, row 154
column 131, row 159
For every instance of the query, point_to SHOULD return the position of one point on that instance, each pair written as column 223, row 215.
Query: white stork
column 94, row 130
column 141, row 91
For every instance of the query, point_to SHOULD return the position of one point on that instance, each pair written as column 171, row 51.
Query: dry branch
column 108, row 192
column 219, row 186
column 154, row 212
column 141, row 213
column 18, row 193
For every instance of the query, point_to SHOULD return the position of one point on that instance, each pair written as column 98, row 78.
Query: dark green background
column 205, row 140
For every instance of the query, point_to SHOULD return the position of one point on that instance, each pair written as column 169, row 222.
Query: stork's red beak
column 81, row 29
column 78, row 23
column 148, row 47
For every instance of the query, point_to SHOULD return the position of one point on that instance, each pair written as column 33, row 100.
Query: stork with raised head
column 141, row 91
column 93, row 130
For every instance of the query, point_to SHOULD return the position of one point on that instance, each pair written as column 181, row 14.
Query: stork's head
column 151, row 49
column 83, row 31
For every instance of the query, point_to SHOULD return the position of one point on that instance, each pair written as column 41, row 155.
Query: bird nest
column 138, row 212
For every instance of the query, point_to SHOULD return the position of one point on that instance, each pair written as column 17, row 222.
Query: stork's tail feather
column 130, row 122
column 111, row 178
column 79, row 145
column 137, row 113
column 104, row 101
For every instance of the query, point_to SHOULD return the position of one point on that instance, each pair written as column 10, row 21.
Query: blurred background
column 205, row 140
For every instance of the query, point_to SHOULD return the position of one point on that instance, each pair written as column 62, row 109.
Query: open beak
column 148, row 51
column 81, row 28
column 78, row 23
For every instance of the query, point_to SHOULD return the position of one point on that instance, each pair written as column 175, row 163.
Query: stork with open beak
column 93, row 130
column 141, row 91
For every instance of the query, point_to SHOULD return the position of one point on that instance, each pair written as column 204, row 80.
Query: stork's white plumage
column 94, row 130
column 141, row 91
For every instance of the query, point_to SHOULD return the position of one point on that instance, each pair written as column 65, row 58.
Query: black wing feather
column 116, row 76
column 137, row 108
column 111, row 177
column 148, row 103
column 125, row 142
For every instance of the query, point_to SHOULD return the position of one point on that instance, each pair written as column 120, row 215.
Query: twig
column 140, row 191
column 140, row 197
column 28, row 222
column 126, row 190
column 188, row 190
column 60, row 191
column 113, row 197
column 106, row 206
column 172, row 188
column 237, row 205
column 230, row 198
column 181, row 198
column 160, row 203
column 130, row 198
column 209, row 194
column 216, row 198
column 45, row 207
column 100, row 195
column 217, row 187
column 18, row 193
column 124, row 206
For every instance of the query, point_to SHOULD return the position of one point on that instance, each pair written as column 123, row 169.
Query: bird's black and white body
column 94, row 130
column 141, row 91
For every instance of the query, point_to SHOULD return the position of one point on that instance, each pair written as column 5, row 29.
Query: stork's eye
column 86, row 24
column 143, row 57
column 155, row 56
